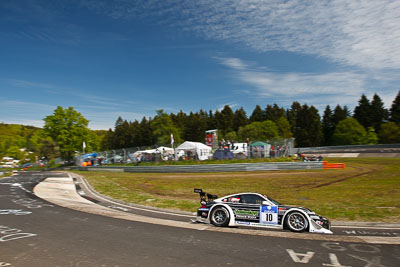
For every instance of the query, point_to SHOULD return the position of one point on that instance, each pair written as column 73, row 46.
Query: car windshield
column 273, row 201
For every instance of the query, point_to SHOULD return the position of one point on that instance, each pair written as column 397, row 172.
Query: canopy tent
column 260, row 149
column 259, row 143
column 195, row 149
column 90, row 155
column 223, row 154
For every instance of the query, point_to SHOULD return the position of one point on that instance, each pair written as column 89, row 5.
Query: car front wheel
column 296, row 222
column 220, row 217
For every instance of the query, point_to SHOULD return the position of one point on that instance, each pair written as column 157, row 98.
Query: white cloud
column 234, row 63
column 327, row 88
column 299, row 84
column 231, row 105
column 30, row 84
column 359, row 33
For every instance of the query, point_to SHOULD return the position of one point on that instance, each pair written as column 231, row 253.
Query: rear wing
column 205, row 197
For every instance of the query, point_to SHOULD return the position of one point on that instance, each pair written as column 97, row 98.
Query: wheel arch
column 298, row 210
column 229, row 209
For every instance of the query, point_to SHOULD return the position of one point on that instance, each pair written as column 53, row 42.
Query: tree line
column 66, row 131
column 369, row 123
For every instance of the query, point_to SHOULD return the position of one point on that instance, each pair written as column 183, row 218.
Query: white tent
column 164, row 151
column 201, row 151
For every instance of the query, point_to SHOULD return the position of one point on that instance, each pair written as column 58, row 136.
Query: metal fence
column 383, row 148
column 262, row 149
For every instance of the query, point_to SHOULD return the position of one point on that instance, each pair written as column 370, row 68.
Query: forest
column 369, row 123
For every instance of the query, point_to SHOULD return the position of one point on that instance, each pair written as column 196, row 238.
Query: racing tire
column 220, row 217
column 296, row 222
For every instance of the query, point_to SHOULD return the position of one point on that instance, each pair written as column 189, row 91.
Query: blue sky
column 110, row 58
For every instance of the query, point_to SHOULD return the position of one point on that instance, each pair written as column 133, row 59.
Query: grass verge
column 368, row 189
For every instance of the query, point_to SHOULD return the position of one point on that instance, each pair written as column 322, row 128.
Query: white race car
column 258, row 210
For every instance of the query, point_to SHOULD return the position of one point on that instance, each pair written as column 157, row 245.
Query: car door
column 246, row 207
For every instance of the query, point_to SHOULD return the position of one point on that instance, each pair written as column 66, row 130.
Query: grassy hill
column 15, row 136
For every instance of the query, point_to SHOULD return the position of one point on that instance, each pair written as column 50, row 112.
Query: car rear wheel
column 220, row 217
column 296, row 222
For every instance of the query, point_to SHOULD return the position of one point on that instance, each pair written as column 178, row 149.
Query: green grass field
column 368, row 189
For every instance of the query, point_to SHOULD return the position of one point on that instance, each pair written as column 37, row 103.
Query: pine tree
column 118, row 122
column 145, row 133
column 395, row 110
column 122, row 137
column 195, row 128
column 211, row 121
column 378, row 113
column 134, row 132
column 291, row 115
column 257, row 115
column 340, row 114
column 362, row 112
column 274, row 112
column 107, row 141
column 179, row 119
column 328, row 125
column 225, row 120
column 308, row 127
column 240, row 119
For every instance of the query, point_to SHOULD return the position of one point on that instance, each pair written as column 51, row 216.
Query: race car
column 258, row 210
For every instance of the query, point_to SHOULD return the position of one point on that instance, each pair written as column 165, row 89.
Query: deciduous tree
column 390, row 133
column 69, row 129
column 349, row 132
column 163, row 127
column 283, row 127
column 259, row 131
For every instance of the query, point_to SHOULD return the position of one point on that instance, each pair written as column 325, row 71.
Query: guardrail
column 383, row 148
column 240, row 167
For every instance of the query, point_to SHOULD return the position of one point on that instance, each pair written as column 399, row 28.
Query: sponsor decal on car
column 246, row 214
column 243, row 223
column 204, row 209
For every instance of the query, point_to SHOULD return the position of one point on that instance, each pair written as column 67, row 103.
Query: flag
column 84, row 145
column 172, row 139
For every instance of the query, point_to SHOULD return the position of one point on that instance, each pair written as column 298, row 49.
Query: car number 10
column 269, row 214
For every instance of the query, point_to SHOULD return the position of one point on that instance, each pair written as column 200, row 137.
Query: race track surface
column 35, row 232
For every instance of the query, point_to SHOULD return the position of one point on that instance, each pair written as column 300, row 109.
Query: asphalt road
column 34, row 232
